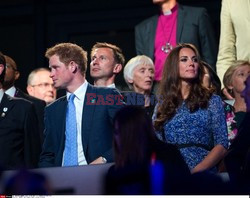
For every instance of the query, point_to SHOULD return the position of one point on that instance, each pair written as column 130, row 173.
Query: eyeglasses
column 43, row 85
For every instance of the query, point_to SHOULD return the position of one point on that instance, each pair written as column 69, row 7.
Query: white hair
column 129, row 68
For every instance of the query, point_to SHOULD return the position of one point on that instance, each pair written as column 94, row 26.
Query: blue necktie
column 70, row 151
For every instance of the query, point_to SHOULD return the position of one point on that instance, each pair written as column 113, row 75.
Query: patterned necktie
column 70, row 152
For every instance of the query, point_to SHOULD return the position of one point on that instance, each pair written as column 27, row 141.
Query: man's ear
column 17, row 75
column 130, row 81
column 29, row 89
column 117, row 68
column 73, row 67
column 1, row 68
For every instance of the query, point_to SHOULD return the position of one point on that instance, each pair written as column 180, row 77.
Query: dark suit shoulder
column 19, row 101
column 147, row 21
column 102, row 90
column 21, row 104
column 193, row 10
column 36, row 101
column 57, row 102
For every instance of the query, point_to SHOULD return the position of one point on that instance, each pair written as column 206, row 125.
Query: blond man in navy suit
column 95, row 109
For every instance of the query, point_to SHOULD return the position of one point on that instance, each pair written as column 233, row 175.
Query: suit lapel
column 151, row 34
column 6, row 105
column 180, row 22
column 87, row 114
column 19, row 93
column 62, row 120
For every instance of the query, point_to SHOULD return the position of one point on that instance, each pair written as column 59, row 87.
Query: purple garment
column 165, row 33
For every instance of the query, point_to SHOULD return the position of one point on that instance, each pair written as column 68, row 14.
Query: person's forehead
column 54, row 59
column 43, row 72
column 185, row 51
column 144, row 65
column 41, row 75
column 242, row 68
column 103, row 50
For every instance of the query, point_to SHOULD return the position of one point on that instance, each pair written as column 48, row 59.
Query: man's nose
column 51, row 74
column 95, row 60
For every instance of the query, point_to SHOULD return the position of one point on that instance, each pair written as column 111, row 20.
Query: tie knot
column 72, row 97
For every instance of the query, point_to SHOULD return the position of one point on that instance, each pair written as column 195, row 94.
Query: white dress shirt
column 111, row 85
column 11, row 91
column 1, row 94
column 79, row 101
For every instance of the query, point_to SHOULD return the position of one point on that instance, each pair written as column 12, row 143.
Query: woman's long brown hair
column 169, row 92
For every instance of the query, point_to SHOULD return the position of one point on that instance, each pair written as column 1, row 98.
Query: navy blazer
column 39, row 106
column 100, row 106
column 193, row 26
column 19, row 138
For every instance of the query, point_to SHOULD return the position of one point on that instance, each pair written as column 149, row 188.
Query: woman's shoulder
column 215, row 99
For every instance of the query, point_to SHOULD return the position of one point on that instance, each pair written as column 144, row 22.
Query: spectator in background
column 139, row 75
column 234, row 81
column 143, row 164
column 25, row 182
column 189, row 115
column 210, row 79
column 238, row 159
column 19, row 143
column 175, row 23
column 106, row 63
column 234, row 34
column 40, row 85
column 12, row 74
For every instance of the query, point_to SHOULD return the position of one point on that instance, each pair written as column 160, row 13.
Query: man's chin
column 8, row 84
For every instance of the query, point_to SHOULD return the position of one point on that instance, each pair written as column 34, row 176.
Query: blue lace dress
column 197, row 133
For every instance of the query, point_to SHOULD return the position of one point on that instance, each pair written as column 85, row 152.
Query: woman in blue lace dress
column 188, row 114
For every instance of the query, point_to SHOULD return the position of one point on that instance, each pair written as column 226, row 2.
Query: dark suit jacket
column 19, row 139
column 97, row 126
column 39, row 109
column 137, row 99
column 193, row 26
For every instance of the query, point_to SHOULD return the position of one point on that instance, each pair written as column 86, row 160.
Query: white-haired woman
column 139, row 74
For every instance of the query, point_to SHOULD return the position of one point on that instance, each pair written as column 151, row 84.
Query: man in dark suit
column 106, row 63
column 94, row 109
column 176, row 23
column 12, row 74
column 19, row 137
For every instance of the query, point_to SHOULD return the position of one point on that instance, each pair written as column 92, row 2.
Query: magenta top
column 165, row 33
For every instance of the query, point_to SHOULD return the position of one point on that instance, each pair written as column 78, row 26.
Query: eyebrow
column 50, row 66
column 188, row 56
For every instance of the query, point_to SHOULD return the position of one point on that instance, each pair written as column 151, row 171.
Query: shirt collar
column 171, row 11
column 111, row 85
column 1, row 94
column 11, row 91
column 80, row 92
